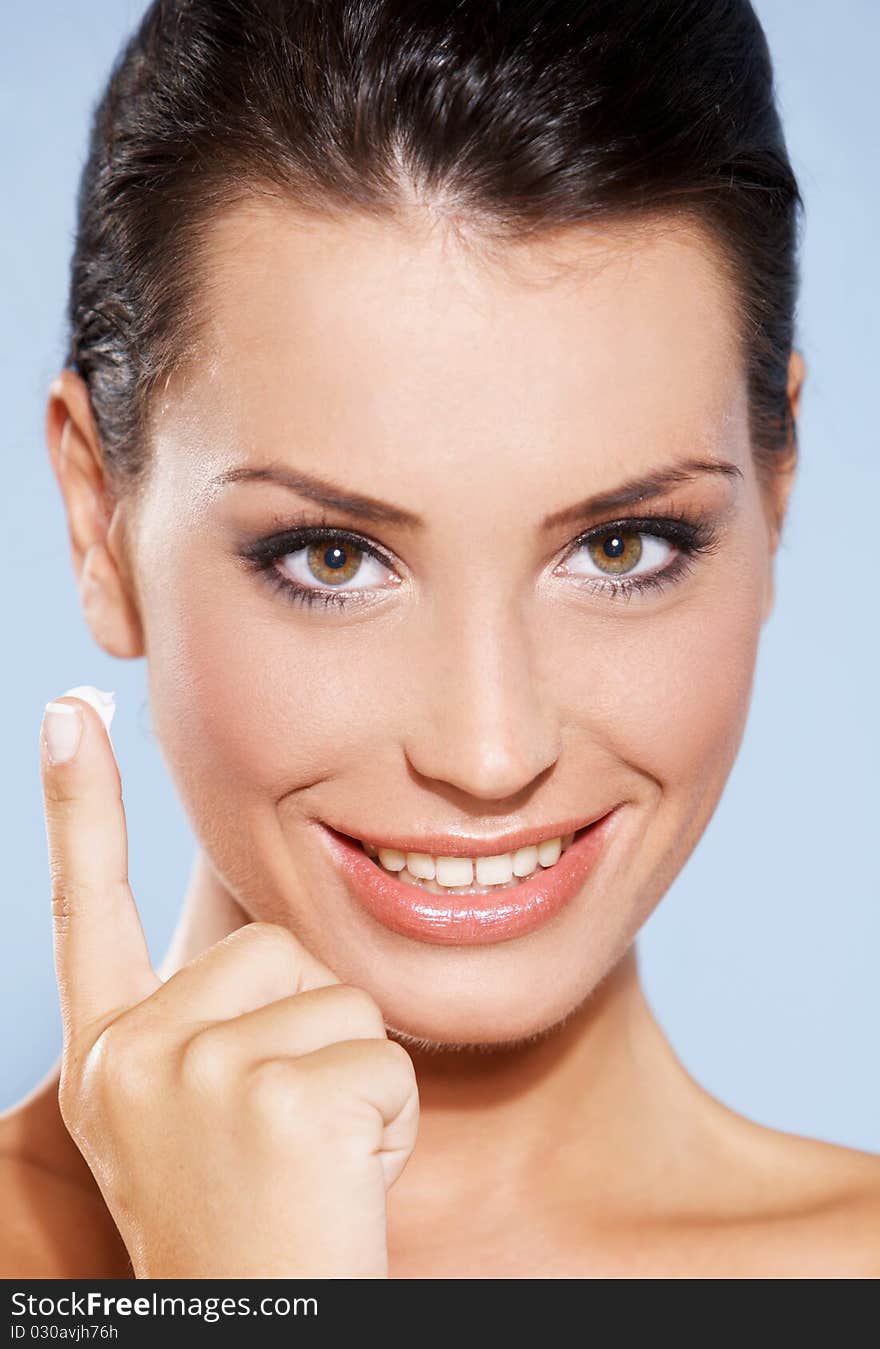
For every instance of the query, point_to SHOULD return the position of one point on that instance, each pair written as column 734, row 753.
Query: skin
column 482, row 690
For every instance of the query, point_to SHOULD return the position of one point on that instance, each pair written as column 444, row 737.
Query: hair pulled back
column 511, row 117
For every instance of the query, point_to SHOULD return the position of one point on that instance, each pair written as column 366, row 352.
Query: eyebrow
column 629, row 493
column 335, row 497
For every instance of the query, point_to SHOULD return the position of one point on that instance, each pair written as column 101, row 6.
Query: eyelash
column 694, row 535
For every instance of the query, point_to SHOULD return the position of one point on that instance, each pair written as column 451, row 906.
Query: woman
column 428, row 423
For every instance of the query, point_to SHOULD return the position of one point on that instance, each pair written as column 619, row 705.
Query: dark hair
column 509, row 117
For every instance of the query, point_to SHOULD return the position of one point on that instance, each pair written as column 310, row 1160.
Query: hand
column 247, row 1116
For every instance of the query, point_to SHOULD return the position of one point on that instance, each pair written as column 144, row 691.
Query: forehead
column 358, row 337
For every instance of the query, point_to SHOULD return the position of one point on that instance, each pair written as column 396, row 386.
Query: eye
column 332, row 566
column 630, row 556
column 333, row 562
column 619, row 552
column 321, row 565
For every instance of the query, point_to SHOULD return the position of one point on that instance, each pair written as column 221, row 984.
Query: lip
column 459, row 845
column 468, row 920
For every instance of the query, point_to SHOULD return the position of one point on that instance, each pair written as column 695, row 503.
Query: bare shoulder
column 51, row 1228
column 823, row 1199
column 32, row 1206
column 53, row 1225
column 848, row 1181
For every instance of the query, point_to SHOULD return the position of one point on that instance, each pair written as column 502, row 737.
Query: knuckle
column 71, row 896
column 74, row 1083
column 119, row 1065
column 277, row 1094
column 275, row 947
column 68, row 898
column 70, row 1096
column 60, row 800
column 204, row 1060
column 272, row 938
column 400, row 1060
column 361, row 1007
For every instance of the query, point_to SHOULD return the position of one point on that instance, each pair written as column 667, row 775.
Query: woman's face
column 484, row 675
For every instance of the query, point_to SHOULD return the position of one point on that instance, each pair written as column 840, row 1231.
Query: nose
column 484, row 720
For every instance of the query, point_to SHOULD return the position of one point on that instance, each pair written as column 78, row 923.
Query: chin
column 458, row 1023
column 482, row 1044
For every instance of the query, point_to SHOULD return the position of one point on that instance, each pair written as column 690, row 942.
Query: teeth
column 549, row 851
column 391, row 859
column 525, row 861
column 420, row 865
column 435, row 889
column 455, row 871
column 495, row 870
column 448, row 873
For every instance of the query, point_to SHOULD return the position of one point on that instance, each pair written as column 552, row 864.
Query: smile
column 469, row 875
column 468, row 900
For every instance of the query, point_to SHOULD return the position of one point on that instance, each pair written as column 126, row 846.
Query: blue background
column 761, row 962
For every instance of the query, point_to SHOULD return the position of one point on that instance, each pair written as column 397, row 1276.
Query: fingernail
column 103, row 703
column 62, row 729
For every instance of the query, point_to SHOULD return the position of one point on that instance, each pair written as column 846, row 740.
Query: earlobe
column 77, row 463
column 107, row 607
column 784, row 463
column 797, row 373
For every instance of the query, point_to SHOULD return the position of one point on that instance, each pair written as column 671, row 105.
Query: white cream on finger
column 104, row 704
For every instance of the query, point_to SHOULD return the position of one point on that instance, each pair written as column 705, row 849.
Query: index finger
column 102, row 960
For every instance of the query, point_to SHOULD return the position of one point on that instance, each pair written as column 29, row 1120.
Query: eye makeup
column 691, row 533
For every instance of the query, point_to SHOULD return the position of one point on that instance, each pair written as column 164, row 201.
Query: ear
column 96, row 522
column 783, row 476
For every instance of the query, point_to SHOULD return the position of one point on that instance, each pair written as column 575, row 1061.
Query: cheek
column 694, row 706
column 665, row 692
column 246, row 700
column 680, row 716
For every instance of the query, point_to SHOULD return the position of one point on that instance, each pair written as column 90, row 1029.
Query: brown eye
column 617, row 551
column 333, row 563
column 328, row 563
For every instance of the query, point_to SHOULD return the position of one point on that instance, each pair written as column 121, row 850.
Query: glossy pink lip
column 468, row 920
column 460, row 845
